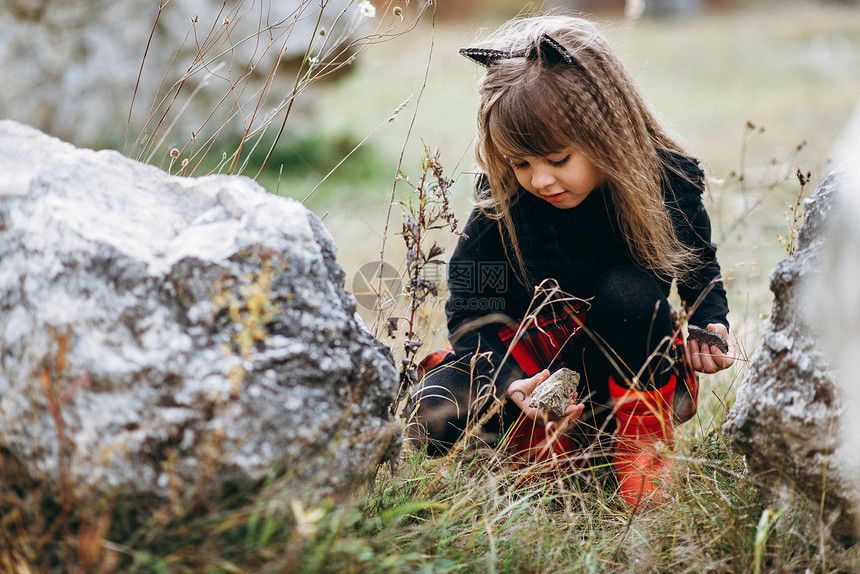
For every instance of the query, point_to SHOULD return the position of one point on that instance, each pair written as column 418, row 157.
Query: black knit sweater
column 573, row 247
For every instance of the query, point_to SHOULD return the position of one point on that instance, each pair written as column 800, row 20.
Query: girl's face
column 563, row 179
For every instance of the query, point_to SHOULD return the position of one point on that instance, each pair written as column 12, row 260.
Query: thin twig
column 161, row 7
column 391, row 202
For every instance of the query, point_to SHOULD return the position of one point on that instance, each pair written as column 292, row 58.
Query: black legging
column 628, row 330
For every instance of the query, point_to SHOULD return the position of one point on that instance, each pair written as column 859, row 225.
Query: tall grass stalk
column 242, row 51
column 424, row 211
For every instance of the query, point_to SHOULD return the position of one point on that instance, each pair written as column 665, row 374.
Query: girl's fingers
column 713, row 359
column 708, row 364
column 572, row 413
column 520, row 391
column 695, row 355
column 719, row 328
column 729, row 358
column 529, row 385
column 722, row 360
column 575, row 412
column 702, row 357
column 705, row 359
column 533, row 382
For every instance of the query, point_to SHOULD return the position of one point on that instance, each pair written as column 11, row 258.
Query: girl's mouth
column 556, row 197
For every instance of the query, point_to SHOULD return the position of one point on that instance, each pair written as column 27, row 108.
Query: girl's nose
column 541, row 178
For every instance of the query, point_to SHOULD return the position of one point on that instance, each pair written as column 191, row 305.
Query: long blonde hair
column 533, row 107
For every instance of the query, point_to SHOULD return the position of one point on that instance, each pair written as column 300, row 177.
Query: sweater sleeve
column 702, row 290
column 479, row 301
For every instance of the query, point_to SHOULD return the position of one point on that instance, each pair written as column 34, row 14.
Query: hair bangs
column 520, row 124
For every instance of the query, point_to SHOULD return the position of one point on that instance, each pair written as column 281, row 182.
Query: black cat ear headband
column 551, row 50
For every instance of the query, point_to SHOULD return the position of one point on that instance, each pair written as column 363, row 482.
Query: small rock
column 554, row 394
column 707, row 337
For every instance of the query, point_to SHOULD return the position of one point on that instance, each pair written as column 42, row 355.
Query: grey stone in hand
column 554, row 394
column 707, row 337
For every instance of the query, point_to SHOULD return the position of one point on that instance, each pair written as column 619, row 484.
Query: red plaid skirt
column 543, row 337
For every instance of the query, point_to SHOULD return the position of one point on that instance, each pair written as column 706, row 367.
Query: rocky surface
column 164, row 335
column 833, row 311
column 70, row 67
column 788, row 410
column 554, row 394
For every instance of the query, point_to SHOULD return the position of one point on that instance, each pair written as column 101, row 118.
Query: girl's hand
column 711, row 359
column 520, row 391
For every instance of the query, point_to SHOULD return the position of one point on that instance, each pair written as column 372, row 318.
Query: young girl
column 587, row 210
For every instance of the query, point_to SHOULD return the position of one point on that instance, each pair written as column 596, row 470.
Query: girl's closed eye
column 517, row 163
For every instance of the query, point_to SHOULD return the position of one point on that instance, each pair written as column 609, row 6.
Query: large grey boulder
column 789, row 409
column 69, row 67
column 833, row 311
column 163, row 336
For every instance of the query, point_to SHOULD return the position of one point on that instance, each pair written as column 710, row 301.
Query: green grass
column 299, row 164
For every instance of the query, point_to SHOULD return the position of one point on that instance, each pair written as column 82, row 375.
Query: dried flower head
column 366, row 9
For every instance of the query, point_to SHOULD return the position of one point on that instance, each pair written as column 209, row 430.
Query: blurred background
column 756, row 89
